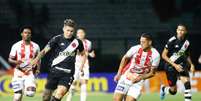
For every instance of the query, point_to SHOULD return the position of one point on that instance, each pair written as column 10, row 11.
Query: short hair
column 147, row 36
column 183, row 25
column 69, row 22
column 25, row 27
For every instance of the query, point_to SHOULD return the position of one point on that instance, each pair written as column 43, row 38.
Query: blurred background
column 112, row 25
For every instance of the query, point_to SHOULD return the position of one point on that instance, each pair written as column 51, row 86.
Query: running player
column 177, row 56
column 64, row 49
column 21, row 55
column 83, row 79
column 144, row 59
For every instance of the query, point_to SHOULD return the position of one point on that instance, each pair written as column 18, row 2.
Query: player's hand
column 192, row 69
column 137, row 79
column 27, row 69
column 117, row 77
column 178, row 67
column 37, row 72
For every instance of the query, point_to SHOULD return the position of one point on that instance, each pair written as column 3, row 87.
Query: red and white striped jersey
column 24, row 53
column 87, row 47
column 141, row 61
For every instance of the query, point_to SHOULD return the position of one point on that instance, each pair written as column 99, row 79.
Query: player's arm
column 84, row 58
column 167, row 59
column 12, row 56
column 91, row 51
column 92, row 54
column 82, row 52
column 123, row 63
column 192, row 67
column 13, row 61
column 40, row 55
column 39, row 62
column 150, row 74
column 51, row 44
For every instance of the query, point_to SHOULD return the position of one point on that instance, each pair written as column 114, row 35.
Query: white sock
column 17, row 97
column 167, row 90
column 187, row 95
column 83, row 94
column 70, row 93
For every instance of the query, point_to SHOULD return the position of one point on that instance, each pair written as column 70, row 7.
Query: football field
column 108, row 97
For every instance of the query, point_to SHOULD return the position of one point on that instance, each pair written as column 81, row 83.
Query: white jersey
column 87, row 47
column 141, row 62
column 24, row 53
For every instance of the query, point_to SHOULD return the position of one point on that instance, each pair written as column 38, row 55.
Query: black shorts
column 172, row 74
column 53, row 80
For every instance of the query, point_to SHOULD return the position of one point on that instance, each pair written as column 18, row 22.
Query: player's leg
column 121, row 89
column 50, row 86
column 60, row 92
column 83, row 81
column 186, row 81
column 30, row 85
column 47, row 94
column 118, row 96
column 63, row 87
column 130, row 98
column 83, row 93
column 134, row 91
column 73, row 86
column 72, row 90
column 172, row 75
column 17, row 85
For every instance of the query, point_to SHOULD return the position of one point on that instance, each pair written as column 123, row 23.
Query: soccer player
column 83, row 78
column 137, row 65
column 64, row 49
column 20, row 56
column 177, row 57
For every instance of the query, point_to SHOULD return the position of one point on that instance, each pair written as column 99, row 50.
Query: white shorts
column 126, row 87
column 22, row 83
column 77, row 74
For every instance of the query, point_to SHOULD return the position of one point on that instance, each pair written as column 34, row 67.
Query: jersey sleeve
column 52, row 42
column 155, row 59
column 169, row 43
column 13, row 52
column 131, row 51
column 80, row 46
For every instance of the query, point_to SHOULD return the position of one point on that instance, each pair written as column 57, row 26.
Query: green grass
column 108, row 97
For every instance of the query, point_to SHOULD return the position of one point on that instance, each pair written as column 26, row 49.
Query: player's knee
column 187, row 85
column 47, row 95
column 117, row 98
column 17, row 96
column 60, row 94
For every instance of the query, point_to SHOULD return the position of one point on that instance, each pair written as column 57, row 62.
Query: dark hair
column 25, row 27
column 69, row 22
column 183, row 25
column 147, row 36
